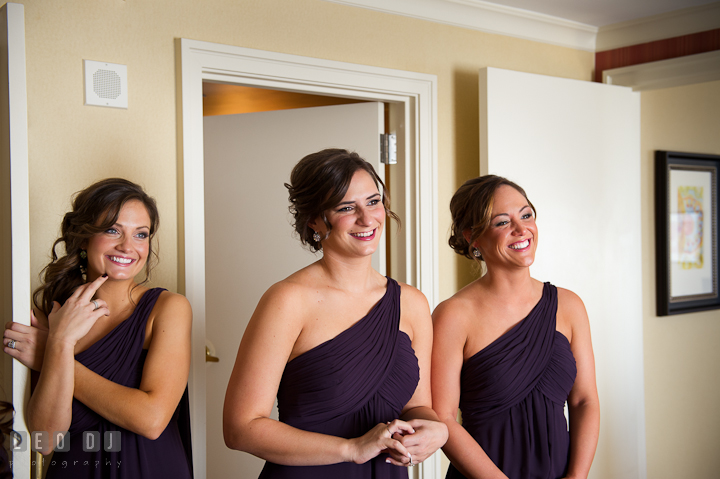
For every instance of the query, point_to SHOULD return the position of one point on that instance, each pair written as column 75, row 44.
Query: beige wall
column 682, row 357
column 72, row 145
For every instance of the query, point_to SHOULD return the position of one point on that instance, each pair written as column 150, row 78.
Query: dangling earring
column 477, row 253
column 316, row 237
column 83, row 269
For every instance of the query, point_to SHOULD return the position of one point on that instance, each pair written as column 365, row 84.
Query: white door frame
column 16, row 193
column 413, row 97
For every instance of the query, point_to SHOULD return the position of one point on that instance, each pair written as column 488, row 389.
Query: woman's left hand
column 429, row 436
column 29, row 342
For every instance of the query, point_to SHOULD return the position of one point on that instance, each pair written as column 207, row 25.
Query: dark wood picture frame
column 686, row 232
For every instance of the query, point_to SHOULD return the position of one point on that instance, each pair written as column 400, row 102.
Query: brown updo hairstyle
column 94, row 210
column 319, row 182
column 471, row 209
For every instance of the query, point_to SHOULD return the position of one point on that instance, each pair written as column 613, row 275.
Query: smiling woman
column 99, row 345
column 122, row 249
column 509, row 351
column 345, row 349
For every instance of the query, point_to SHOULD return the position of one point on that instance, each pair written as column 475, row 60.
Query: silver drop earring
column 316, row 237
column 476, row 253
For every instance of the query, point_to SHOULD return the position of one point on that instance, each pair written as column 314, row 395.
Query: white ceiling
column 600, row 13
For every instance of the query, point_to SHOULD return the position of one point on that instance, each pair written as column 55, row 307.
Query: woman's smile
column 521, row 245
column 121, row 260
column 366, row 236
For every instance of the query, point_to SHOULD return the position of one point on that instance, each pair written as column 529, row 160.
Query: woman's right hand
column 29, row 345
column 379, row 440
column 74, row 319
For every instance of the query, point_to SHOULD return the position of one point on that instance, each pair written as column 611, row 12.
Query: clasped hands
column 406, row 443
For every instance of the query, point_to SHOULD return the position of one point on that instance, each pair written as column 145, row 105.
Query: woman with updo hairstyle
column 509, row 351
column 345, row 349
column 100, row 345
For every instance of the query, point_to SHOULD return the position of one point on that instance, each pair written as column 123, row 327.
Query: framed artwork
column 686, row 232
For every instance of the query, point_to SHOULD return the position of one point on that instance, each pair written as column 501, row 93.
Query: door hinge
column 388, row 148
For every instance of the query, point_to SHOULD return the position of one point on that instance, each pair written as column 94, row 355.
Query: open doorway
column 232, row 99
column 250, row 243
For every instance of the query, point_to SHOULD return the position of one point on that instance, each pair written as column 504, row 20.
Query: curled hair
column 94, row 210
column 471, row 209
column 319, row 182
column 7, row 411
column 6, row 429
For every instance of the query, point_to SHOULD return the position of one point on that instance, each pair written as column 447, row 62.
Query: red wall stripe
column 658, row 50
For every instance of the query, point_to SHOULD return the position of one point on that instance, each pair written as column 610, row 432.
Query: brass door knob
column 209, row 358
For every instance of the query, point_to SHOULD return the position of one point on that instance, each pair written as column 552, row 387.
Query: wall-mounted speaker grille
column 105, row 84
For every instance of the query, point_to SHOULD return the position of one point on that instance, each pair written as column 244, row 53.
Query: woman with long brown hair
column 102, row 345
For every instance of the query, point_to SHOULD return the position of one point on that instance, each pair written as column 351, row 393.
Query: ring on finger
column 411, row 463
column 97, row 305
column 11, row 344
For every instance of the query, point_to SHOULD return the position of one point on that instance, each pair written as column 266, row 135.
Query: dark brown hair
column 7, row 411
column 471, row 210
column 319, row 182
column 6, row 417
column 94, row 210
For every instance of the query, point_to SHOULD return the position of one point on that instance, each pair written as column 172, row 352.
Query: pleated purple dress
column 513, row 394
column 346, row 386
column 119, row 356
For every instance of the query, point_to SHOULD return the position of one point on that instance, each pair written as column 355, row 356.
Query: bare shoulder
column 570, row 303
column 288, row 302
column 172, row 307
column 173, row 300
column 456, row 310
column 278, row 320
column 291, row 292
column 572, row 317
column 414, row 312
column 413, row 297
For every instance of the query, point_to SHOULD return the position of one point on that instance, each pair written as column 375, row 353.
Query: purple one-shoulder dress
column 346, row 386
column 513, row 393
column 119, row 356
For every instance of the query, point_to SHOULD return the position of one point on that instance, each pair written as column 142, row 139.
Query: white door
column 14, row 213
column 249, row 241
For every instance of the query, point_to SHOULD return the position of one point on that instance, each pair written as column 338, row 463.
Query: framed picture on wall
column 686, row 232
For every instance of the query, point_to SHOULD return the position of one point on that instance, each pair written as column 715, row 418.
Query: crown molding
column 659, row 27
column 490, row 18
column 687, row 70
